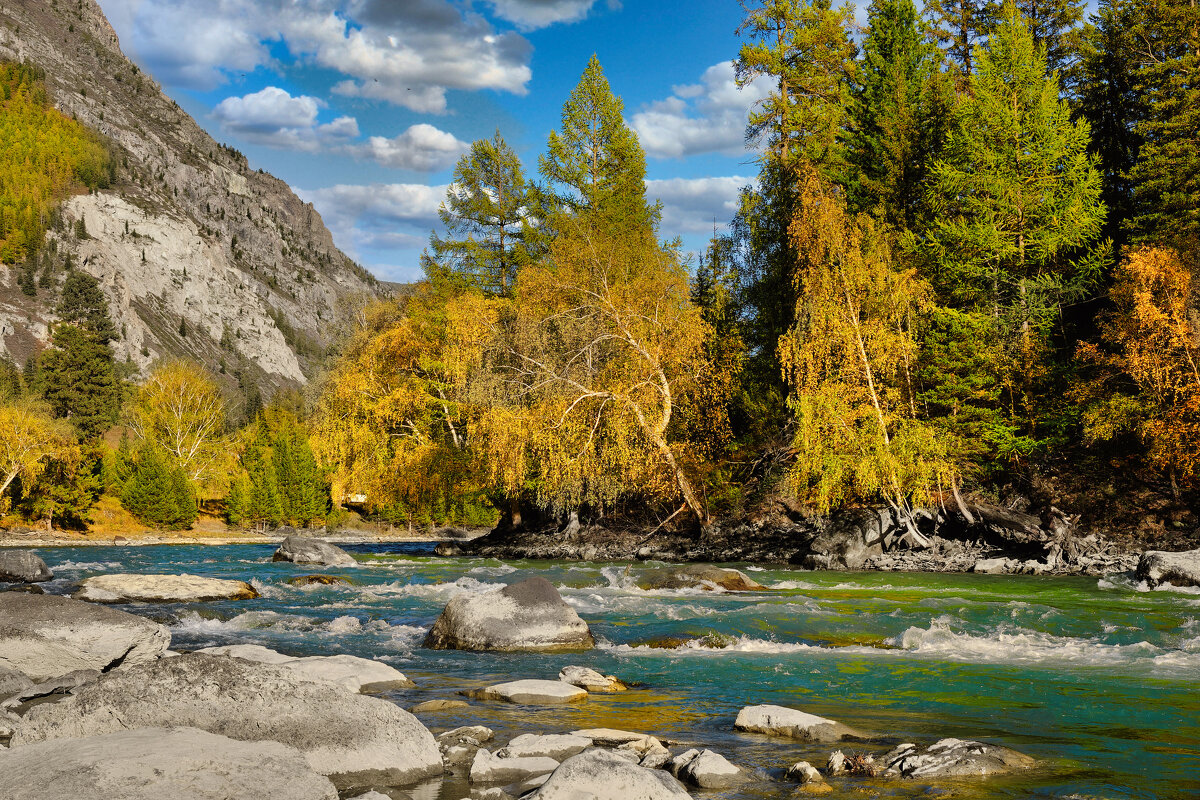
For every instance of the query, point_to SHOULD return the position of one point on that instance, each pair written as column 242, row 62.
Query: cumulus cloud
column 533, row 14
column 694, row 205
column 422, row 147
column 381, row 216
column 409, row 53
column 707, row 117
column 275, row 118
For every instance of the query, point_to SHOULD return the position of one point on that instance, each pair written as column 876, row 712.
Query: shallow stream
column 1098, row 679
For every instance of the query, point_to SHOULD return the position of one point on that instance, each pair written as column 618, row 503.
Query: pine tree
column 899, row 114
column 960, row 25
column 83, row 304
column 158, row 493
column 262, row 501
column 236, row 500
column 77, row 379
column 485, row 215
column 595, row 161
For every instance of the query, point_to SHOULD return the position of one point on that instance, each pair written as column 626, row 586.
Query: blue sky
column 364, row 106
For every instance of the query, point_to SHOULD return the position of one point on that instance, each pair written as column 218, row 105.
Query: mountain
column 198, row 254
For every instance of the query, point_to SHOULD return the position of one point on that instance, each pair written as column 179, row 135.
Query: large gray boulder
column 705, row 769
column 1157, row 567
column 953, row 758
column 22, row 566
column 852, row 536
column 355, row 673
column 351, row 738
column 603, row 775
column 303, row 550
column 45, row 636
column 529, row 615
column 792, row 723
column 156, row 763
column 123, row 588
column 699, row 576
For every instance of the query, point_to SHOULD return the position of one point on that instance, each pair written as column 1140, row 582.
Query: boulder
column 526, row 616
column 1157, row 567
column 12, row 682
column 318, row 580
column 952, row 758
column 852, row 536
column 492, row 768
column 531, row 692
column 460, row 745
column 696, row 576
column 591, row 680
column 438, row 705
column 995, row 566
column 22, row 566
column 610, row 737
column 156, row 763
column 302, row 550
column 45, row 636
column 558, row 746
column 354, row 673
column 350, row 738
column 161, row 589
column 793, row 724
column 604, row 775
column 705, row 769
column 803, row 772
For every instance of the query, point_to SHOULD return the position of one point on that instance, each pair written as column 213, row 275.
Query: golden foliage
column 29, row 439
column 180, row 409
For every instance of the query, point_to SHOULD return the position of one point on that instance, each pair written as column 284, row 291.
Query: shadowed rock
column 23, row 566
column 529, row 615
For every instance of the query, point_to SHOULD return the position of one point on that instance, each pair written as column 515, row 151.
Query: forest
column 968, row 264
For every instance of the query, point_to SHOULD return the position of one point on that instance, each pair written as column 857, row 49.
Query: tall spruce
column 157, row 492
column 899, row 111
column 78, row 380
column 84, row 304
column 960, row 25
column 485, row 214
column 1054, row 25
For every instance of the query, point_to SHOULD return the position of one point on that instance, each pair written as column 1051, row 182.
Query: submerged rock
column 954, row 758
column 531, row 692
column 23, row 566
column 438, row 705
column 529, row 615
column 156, row 763
column 591, row 680
column 44, row 636
column 122, row 588
column 793, row 724
column 604, row 775
column 351, row 738
column 1157, row 567
column 695, row 576
column 303, row 550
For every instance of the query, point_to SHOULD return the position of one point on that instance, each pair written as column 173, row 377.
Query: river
column 1098, row 679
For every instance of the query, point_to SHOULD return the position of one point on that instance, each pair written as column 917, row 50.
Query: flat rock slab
column 531, row 692
column 558, row 746
column 44, row 636
column 351, row 738
column 526, row 616
column 603, row 775
column 591, row 680
column 124, row 588
column 354, row 673
column 303, row 550
column 1157, row 567
column 157, row 763
column 954, row 758
column 610, row 737
column 793, row 724
column 487, row 767
column 23, row 566
column 700, row 577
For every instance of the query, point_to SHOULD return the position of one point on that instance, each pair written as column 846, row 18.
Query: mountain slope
column 198, row 254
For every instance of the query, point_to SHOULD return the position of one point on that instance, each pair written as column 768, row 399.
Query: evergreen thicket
column 157, row 492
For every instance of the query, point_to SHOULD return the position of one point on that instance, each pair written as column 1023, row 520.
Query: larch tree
column 30, row 439
column 486, row 216
column 1054, row 26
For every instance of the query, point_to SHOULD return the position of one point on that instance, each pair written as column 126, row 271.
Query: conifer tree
column 158, row 493
column 960, row 25
column 262, row 502
column 235, row 501
column 78, row 381
column 596, row 161
column 83, row 304
column 485, row 214
column 1054, row 25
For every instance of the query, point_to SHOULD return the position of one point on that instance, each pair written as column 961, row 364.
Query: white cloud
column 694, row 205
column 533, row 14
column 378, row 216
column 708, row 117
column 275, row 118
column 407, row 52
column 422, row 147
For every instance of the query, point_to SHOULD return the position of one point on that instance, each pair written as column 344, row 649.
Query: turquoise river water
column 1097, row 678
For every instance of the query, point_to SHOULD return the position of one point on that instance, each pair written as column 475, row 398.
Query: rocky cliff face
column 198, row 254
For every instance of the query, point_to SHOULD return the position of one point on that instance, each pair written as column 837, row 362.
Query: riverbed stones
column 698, row 576
column 531, row 692
column 591, row 680
column 487, row 767
column 526, row 616
column 303, row 550
column 558, row 746
column 705, row 768
column 123, row 588
column 249, row 652
column 351, row 738
column 23, row 566
column 1157, row 567
column 951, row 758
column 604, row 775
column 156, row 763
column 44, row 636
column 793, row 724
